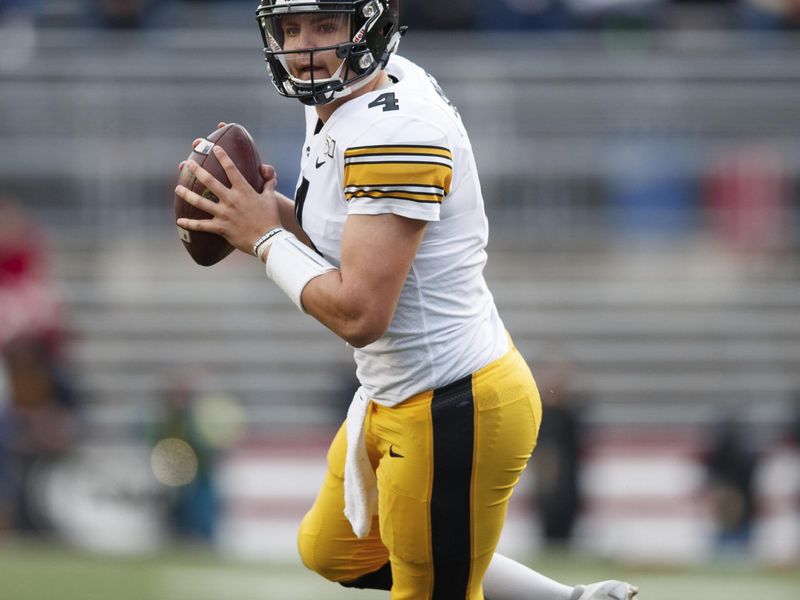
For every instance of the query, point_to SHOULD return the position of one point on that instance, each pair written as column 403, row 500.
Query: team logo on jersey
column 330, row 148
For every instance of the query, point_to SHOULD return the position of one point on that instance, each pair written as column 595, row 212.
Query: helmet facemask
column 321, row 50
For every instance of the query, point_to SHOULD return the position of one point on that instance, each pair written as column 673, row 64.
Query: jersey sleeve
column 399, row 166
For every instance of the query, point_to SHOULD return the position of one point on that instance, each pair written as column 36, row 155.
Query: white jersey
column 404, row 150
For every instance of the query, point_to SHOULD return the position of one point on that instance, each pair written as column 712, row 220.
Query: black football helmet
column 374, row 34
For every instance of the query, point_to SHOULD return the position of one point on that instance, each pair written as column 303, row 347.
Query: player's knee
column 307, row 543
column 340, row 565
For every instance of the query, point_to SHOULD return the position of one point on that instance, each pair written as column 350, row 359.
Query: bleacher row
column 662, row 345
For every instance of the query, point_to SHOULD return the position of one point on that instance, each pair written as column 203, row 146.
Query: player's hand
column 242, row 214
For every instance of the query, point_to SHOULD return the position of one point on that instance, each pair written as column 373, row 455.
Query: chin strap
column 357, row 85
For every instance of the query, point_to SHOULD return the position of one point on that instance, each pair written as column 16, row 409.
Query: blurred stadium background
column 163, row 426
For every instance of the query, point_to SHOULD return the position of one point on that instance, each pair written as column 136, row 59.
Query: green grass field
column 31, row 571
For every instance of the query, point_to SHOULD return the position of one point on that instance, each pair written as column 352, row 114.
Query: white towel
column 360, row 483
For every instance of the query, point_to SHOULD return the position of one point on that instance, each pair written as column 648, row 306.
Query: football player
column 384, row 244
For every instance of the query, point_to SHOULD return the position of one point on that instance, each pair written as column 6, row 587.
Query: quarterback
column 384, row 244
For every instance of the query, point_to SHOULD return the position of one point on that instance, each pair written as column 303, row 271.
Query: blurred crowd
column 444, row 15
column 41, row 430
column 736, row 466
column 37, row 421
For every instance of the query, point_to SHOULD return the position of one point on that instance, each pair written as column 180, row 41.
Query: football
column 209, row 248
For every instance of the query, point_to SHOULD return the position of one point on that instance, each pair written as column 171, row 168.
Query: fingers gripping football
column 196, row 142
column 240, row 213
column 197, row 201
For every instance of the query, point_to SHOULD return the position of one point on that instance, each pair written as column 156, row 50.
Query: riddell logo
column 359, row 36
column 274, row 44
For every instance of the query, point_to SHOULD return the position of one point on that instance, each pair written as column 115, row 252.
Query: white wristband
column 264, row 242
column 291, row 265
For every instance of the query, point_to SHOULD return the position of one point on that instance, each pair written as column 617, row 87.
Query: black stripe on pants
column 452, row 416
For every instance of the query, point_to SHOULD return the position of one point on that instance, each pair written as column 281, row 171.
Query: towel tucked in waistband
column 360, row 483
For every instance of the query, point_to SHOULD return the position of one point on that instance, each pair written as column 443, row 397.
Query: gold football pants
column 446, row 462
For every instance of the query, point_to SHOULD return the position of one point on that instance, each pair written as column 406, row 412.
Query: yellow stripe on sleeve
column 404, row 172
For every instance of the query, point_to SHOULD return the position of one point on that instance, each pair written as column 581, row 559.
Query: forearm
column 343, row 304
column 344, row 309
column 356, row 301
column 326, row 298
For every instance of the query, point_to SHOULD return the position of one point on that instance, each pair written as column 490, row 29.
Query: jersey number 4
column 388, row 101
